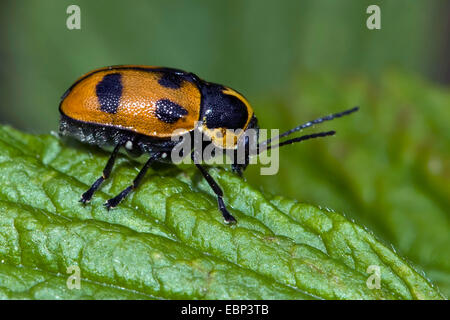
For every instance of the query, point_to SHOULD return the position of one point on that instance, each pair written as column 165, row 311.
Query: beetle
column 140, row 107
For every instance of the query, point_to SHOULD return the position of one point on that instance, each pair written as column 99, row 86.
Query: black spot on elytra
column 168, row 111
column 170, row 80
column 109, row 91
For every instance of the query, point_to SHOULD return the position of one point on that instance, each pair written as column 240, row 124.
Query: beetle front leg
column 219, row 193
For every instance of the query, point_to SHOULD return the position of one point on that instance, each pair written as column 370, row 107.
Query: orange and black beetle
column 139, row 108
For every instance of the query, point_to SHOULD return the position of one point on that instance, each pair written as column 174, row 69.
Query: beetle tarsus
column 87, row 196
column 84, row 200
column 228, row 218
column 108, row 206
column 114, row 202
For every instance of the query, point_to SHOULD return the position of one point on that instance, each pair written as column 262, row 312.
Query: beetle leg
column 87, row 196
column 114, row 202
column 219, row 193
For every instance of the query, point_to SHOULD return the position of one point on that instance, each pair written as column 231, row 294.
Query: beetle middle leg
column 87, row 196
column 114, row 202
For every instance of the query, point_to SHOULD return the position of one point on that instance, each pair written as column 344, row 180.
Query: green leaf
column 168, row 240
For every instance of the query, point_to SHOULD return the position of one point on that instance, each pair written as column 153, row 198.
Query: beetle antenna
column 298, row 139
column 309, row 124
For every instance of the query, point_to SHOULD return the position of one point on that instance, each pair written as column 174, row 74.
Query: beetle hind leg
column 87, row 196
column 114, row 202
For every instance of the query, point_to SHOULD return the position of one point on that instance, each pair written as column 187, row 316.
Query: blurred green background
column 388, row 167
